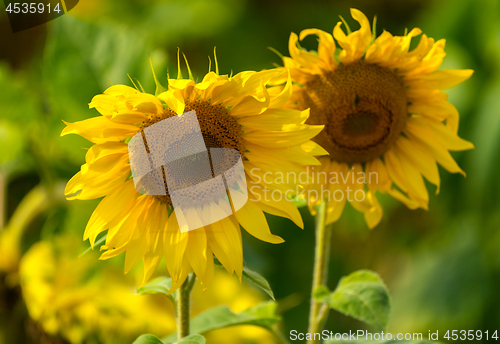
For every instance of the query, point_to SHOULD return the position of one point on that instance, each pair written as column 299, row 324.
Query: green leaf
column 321, row 294
column 159, row 285
column 263, row 315
column 192, row 339
column 363, row 296
column 258, row 280
column 255, row 278
column 148, row 339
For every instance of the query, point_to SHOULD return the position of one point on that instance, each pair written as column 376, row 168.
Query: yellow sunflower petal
column 174, row 101
column 280, row 99
column 94, row 184
column 295, row 135
column 153, row 257
column 275, row 119
column 438, row 151
column 218, row 251
column 282, row 206
column 326, row 46
column 333, row 210
column 145, row 103
column 374, row 215
column 183, row 272
column 354, row 44
column 406, row 178
column 100, row 130
column 121, row 90
column 436, row 132
column 251, row 105
column 305, row 58
column 252, row 219
column 441, row 79
column 139, row 245
column 175, row 246
column 226, row 245
column 103, row 103
column 119, row 235
column 231, row 236
column 410, row 203
column 420, row 159
column 440, row 111
column 209, row 273
column 101, row 150
column 109, row 209
column 377, row 176
column 196, row 252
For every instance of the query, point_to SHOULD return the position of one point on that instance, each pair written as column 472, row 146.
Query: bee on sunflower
column 387, row 121
column 237, row 112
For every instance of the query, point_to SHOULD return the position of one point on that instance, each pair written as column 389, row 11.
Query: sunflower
column 237, row 112
column 387, row 122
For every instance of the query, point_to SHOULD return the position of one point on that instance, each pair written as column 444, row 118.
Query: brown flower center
column 363, row 107
column 219, row 130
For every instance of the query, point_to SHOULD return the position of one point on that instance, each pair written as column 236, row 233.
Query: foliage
column 361, row 295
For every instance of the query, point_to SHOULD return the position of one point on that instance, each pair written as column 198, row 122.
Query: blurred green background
column 442, row 266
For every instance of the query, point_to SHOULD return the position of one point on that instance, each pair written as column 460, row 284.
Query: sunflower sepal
column 159, row 87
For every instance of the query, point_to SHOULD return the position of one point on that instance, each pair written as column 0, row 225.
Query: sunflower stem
column 318, row 314
column 182, row 304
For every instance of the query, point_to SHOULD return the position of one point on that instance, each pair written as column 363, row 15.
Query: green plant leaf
column 263, row 315
column 192, row 339
column 321, row 294
column 258, row 280
column 363, row 296
column 159, row 285
column 148, row 339
column 255, row 278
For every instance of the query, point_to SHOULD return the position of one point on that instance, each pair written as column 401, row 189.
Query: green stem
column 183, row 307
column 322, row 315
column 317, row 315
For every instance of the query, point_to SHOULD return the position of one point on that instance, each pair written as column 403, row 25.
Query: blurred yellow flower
column 9, row 246
column 387, row 122
column 70, row 299
column 236, row 112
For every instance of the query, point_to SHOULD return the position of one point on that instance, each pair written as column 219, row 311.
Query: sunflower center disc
column 218, row 128
column 363, row 107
